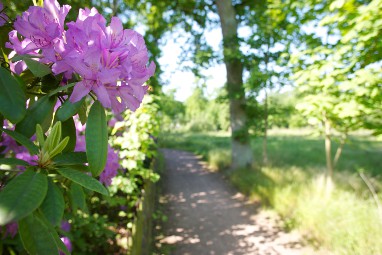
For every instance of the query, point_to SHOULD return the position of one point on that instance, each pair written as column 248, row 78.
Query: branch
column 374, row 193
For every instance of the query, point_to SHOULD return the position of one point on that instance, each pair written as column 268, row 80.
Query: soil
column 206, row 216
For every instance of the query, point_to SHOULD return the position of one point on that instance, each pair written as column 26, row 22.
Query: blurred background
column 284, row 96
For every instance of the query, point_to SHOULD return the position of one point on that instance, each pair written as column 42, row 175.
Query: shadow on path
column 206, row 216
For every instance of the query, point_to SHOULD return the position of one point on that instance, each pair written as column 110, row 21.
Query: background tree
column 339, row 75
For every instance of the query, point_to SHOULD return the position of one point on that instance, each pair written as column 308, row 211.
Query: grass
column 340, row 216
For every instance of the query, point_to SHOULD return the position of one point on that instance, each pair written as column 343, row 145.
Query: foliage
column 54, row 141
column 339, row 74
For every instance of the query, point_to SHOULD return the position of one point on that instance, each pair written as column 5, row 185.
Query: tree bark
column 242, row 155
column 339, row 150
column 328, row 153
column 265, row 142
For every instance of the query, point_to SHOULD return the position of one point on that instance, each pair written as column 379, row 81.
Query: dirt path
column 206, row 216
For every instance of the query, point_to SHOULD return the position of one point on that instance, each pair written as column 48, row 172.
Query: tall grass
column 340, row 216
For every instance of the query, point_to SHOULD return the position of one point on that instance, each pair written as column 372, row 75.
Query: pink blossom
column 111, row 168
column 110, row 60
column 67, row 243
column 65, row 226
column 3, row 16
column 41, row 27
column 11, row 229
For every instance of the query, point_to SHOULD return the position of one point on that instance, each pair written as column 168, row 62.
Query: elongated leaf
column 68, row 109
column 77, row 197
column 32, row 148
column 22, row 196
column 13, row 162
column 36, row 237
column 69, row 129
column 82, row 113
column 70, row 158
column 62, row 88
column 38, row 214
column 54, row 204
column 38, row 69
column 41, row 113
column 96, row 139
column 12, row 97
column 83, row 179
column 40, row 135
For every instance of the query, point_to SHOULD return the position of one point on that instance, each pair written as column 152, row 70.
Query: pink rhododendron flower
column 67, row 243
column 11, row 229
column 65, row 226
column 41, row 27
column 3, row 16
column 111, row 168
column 110, row 60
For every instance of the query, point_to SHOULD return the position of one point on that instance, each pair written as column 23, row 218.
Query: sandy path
column 206, row 216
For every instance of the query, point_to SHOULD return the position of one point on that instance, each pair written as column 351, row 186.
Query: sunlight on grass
column 342, row 216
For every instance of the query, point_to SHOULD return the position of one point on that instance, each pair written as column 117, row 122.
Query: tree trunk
column 339, row 150
column 329, row 163
column 241, row 149
column 265, row 151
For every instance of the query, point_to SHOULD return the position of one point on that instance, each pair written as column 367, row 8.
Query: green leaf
column 78, row 198
column 69, row 129
column 40, row 135
column 38, row 214
column 32, row 148
column 53, row 138
column 12, row 97
column 22, row 195
column 54, row 204
column 62, row 88
column 70, row 158
column 38, row 69
column 83, row 179
column 36, row 237
column 68, row 109
column 96, row 139
column 60, row 147
column 82, row 113
column 41, row 113
column 13, row 162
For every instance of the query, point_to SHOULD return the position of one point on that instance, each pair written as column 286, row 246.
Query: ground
column 207, row 216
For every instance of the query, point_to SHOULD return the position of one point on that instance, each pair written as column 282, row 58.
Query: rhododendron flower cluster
column 111, row 61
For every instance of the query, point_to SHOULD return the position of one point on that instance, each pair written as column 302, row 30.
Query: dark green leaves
column 38, row 69
column 83, row 179
column 22, row 195
column 68, row 109
column 36, row 237
column 13, row 162
column 39, row 113
column 70, row 158
column 69, row 130
column 12, row 97
column 96, row 139
column 54, row 204
column 32, row 148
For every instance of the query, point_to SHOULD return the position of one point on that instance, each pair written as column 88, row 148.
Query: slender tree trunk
column 265, row 142
column 241, row 149
column 329, row 163
column 339, row 150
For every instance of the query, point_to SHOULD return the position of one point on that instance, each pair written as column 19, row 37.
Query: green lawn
column 287, row 150
column 340, row 216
